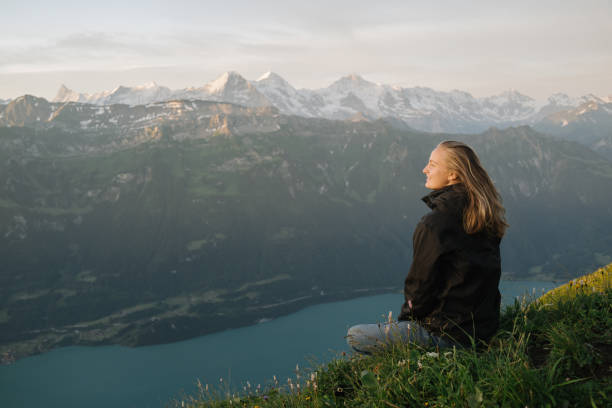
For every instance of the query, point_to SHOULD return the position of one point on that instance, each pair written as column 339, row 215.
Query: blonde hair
column 484, row 210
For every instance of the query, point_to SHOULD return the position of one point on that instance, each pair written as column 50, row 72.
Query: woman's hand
column 389, row 322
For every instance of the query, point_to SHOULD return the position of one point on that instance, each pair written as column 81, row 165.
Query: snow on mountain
column 67, row 95
column 150, row 92
column 560, row 102
column 138, row 95
column 353, row 96
column 561, row 99
column 429, row 101
column 423, row 108
column 229, row 87
column 285, row 97
column 232, row 87
column 219, row 85
column 509, row 106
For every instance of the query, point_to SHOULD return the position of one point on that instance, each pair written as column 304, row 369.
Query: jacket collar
column 453, row 195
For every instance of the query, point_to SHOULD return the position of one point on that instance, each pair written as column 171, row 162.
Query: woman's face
column 438, row 174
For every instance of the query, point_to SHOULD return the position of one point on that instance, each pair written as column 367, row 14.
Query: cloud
column 476, row 45
column 77, row 49
column 87, row 50
column 87, row 41
column 105, row 50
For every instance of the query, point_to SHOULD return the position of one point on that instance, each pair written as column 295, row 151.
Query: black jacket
column 454, row 277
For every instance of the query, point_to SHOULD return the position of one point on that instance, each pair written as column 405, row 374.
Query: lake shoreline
column 180, row 328
column 54, row 338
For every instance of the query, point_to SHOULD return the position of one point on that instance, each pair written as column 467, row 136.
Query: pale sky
column 482, row 47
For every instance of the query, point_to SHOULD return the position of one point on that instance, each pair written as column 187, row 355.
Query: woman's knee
column 354, row 333
column 362, row 337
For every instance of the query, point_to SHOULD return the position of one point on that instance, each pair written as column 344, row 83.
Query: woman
column 451, row 291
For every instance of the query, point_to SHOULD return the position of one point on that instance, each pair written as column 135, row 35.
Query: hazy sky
column 483, row 47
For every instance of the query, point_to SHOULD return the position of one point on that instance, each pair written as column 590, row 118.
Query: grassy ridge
column 553, row 351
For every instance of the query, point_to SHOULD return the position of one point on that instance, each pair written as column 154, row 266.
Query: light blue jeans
column 369, row 338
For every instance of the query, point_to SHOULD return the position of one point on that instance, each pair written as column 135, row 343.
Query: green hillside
column 554, row 351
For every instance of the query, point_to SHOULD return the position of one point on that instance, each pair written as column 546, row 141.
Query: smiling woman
column 437, row 171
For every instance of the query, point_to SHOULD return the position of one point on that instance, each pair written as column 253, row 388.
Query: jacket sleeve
column 422, row 284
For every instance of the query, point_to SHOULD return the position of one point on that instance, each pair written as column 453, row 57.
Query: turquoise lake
column 115, row 376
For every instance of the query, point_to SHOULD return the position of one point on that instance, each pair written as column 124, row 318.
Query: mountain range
column 585, row 119
column 349, row 96
column 152, row 223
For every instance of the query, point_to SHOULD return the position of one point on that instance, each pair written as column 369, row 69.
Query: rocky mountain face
column 154, row 223
column 88, row 128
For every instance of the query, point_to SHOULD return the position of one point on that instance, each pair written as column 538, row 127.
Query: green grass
column 599, row 280
column 555, row 351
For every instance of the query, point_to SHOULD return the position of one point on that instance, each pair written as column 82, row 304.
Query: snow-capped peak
column 511, row 95
column 65, row 94
column 227, row 78
column 63, row 89
column 351, row 81
column 217, row 84
column 267, row 75
column 354, row 77
column 271, row 79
